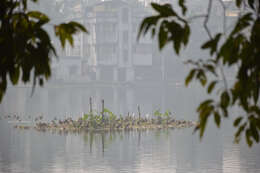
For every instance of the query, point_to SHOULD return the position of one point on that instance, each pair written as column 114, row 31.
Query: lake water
column 135, row 151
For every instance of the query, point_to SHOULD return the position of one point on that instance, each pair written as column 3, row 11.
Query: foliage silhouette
column 238, row 48
column 26, row 49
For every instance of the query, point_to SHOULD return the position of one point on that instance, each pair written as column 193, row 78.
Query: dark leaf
column 254, row 132
column 204, row 114
column 78, row 26
column 238, row 3
column 242, row 23
column 65, row 31
column 162, row 36
column 217, row 118
column 202, row 77
column 212, row 44
column 204, row 104
column 256, row 93
column 164, row 10
column 190, row 77
column 237, row 121
column 183, row 7
column 186, row 34
column 251, row 4
column 14, row 76
column 241, row 129
column 225, row 99
column 248, row 138
column 147, row 24
column 212, row 86
column 38, row 15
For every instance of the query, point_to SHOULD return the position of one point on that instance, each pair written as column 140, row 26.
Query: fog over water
column 111, row 64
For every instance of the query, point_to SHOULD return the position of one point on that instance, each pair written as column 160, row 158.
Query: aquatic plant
column 163, row 117
column 111, row 117
column 106, row 120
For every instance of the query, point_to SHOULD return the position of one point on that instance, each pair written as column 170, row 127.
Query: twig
column 224, row 32
column 205, row 24
column 196, row 16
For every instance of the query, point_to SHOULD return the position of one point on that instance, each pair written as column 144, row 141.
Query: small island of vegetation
column 104, row 121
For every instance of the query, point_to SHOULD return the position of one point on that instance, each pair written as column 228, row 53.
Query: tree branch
column 224, row 16
column 224, row 32
column 205, row 24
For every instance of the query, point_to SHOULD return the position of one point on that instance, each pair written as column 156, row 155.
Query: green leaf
column 65, row 31
column 217, row 119
column 241, row 129
column 186, row 34
column 242, row 23
column 254, row 132
column 212, row 86
column 237, row 121
column 202, row 77
column 164, row 10
column 212, row 44
column 238, row 3
column 248, row 139
column 3, row 86
column 177, row 46
column 38, row 15
column 78, row 26
column 204, row 114
column 256, row 93
column 14, row 76
column 204, row 104
column 162, row 36
column 190, row 77
column 183, row 7
column 225, row 99
column 148, row 23
column 41, row 82
column 252, row 4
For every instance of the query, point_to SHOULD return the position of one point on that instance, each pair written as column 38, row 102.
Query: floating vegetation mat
column 106, row 121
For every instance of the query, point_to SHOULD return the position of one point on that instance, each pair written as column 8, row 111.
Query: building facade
column 111, row 52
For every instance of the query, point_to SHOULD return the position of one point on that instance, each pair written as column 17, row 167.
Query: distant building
column 111, row 51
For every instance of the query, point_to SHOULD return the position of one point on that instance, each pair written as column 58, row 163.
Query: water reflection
column 128, row 151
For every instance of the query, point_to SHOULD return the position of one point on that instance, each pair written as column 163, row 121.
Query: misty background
column 110, row 63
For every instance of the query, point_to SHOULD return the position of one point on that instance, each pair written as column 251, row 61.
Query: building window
column 125, row 37
column 143, row 48
column 125, row 56
column 125, row 15
column 106, row 52
column 73, row 70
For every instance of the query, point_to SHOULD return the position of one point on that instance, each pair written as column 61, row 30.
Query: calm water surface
column 135, row 151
